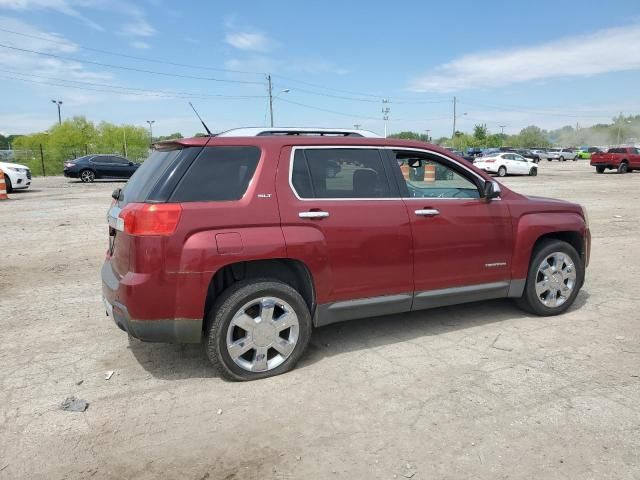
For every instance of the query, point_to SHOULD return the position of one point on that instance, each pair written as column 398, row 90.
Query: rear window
column 146, row 177
column 218, row 174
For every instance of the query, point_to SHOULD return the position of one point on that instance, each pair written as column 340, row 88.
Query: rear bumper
column 167, row 330
column 70, row 174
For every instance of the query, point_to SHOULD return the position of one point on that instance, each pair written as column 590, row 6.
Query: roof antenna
column 200, row 118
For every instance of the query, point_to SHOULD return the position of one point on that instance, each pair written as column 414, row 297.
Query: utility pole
column 58, row 103
column 454, row 118
column 151, row 122
column 357, row 126
column 124, row 134
column 502, row 129
column 270, row 98
column 385, row 114
column 428, row 130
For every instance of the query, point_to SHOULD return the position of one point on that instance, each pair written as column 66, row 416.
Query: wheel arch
column 293, row 272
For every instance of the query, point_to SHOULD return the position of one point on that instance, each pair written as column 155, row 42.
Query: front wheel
column 87, row 176
column 556, row 274
column 600, row 169
column 7, row 182
column 502, row 171
column 257, row 328
column 562, row 159
column 533, row 172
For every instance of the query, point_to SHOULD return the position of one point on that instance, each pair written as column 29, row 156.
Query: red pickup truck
column 622, row 159
column 250, row 242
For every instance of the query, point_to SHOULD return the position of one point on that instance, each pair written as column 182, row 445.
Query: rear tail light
column 68, row 164
column 489, row 161
column 150, row 218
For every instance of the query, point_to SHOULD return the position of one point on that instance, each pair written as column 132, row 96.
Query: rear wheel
column 502, row 171
column 562, row 159
column 87, row 176
column 600, row 169
column 623, row 167
column 555, row 276
column 548, row 159
column 258, row 328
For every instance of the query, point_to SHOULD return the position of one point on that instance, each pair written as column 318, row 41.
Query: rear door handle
column 427, row 212
column 314, row 214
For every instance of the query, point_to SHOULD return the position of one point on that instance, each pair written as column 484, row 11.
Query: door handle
column 427, row 212
column 313, row 214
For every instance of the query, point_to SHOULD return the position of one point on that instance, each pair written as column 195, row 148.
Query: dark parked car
column 90, row 167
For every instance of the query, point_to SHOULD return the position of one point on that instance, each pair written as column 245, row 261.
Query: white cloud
column 609, row 50
column 138, row 28
column 139, row 44
column 252, row 41
column 66, row 7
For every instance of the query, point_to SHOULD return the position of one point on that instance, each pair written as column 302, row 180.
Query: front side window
column 339, row 173
column 427, row 176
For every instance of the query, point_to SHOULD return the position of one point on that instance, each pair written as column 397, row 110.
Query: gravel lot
column 477, row 391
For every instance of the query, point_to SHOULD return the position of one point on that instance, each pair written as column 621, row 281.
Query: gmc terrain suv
column 249, row 242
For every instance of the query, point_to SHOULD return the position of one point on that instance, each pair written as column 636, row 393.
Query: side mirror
column 415, row 163
column 130, row 164
column 491, row 190
column 116, row 194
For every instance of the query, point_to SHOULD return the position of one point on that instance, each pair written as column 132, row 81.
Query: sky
column 332, row 63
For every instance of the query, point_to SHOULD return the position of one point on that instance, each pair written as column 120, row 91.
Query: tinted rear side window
column 617, row 150
column 339, row 173
column 146, row 177
column 218, row 174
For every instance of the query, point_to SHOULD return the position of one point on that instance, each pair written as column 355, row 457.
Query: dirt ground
column 479, row 391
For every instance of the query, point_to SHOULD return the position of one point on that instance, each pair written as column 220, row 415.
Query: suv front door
column 342, row 214
column 462, row 243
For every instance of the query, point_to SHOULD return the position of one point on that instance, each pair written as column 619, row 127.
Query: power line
column 179, row 94
column 122, row 67
column 132, row 57
column 113, row 90
column 533, row 112
column 373, row 98
column 327, row 110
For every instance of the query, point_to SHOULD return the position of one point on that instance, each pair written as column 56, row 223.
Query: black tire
column 575, row 159
column 529, row 300
column 226, row 306
column 562, row 159
column 623, row 167
column 533, row 172
column 502, row 171
column 87, row 176
column 7, row 182
column 600, row 169
column 549, row 159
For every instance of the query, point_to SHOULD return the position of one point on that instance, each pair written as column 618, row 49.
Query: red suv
column 251, row 242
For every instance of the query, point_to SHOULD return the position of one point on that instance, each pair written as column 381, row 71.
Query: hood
column 14, row 165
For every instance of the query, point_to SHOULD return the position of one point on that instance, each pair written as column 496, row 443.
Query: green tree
column 408, row 135
column 480, row 132
column 169, row 137
column 532, row 136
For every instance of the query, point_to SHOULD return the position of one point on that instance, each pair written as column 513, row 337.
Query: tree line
column 622, row 129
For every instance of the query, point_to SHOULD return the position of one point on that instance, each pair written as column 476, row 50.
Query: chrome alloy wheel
column 87, row 176
column 262, row 334
column 555, row 279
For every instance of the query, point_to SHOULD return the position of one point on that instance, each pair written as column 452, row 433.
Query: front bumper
column 167, row 330
column 20, row 180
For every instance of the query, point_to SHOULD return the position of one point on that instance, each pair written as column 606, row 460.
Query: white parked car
column 562, row 154
column 16, row 176
column 507, row 163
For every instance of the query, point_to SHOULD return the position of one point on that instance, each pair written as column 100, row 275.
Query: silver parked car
column 562, row 154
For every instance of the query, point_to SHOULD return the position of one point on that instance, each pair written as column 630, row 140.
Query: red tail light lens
column 151, row 218
column 489, row 161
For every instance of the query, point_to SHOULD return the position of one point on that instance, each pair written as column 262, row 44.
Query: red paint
column 613, row 160
column 365, row 248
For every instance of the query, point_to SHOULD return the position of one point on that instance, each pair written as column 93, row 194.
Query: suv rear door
column 462, row 243
column 350, row 226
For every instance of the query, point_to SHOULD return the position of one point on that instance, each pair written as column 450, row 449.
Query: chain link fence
column 50, row 161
